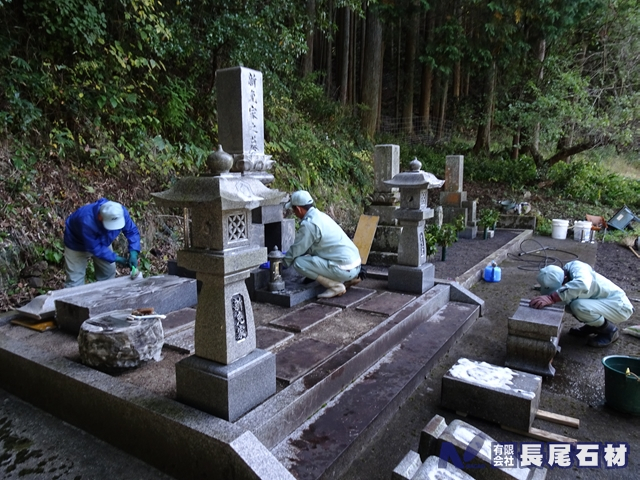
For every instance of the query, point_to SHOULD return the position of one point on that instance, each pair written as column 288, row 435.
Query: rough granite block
column 166, row 293
column 498, row 394
column 226, row 391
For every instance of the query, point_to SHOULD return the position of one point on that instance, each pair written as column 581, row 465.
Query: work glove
column 544, row 300
column 133, row 259
column 121, row 261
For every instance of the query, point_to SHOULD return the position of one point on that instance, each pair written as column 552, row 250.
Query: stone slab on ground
column 353, row 296
column 179, row 320
column 306, row 317
column 297, row 359
column 268, row 338
column 166, row 293
column 497, row 394
column 43, row 306
column 182, row 341
column 387, row 303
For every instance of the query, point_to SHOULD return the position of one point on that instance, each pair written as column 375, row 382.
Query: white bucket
column 559, row 228
column 582, row 231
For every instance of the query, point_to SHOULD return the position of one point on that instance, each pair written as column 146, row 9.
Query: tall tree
column 372, row 72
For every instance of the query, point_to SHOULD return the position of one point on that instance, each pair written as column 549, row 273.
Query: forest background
column 116, row 98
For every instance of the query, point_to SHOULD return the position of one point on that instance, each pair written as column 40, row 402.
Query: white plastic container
column 559, row 228
column 582, row 231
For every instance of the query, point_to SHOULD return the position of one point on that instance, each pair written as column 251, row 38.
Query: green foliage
column 588, row 181
column 488, row 217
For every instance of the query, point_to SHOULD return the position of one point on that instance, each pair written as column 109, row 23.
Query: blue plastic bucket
column 622, row 389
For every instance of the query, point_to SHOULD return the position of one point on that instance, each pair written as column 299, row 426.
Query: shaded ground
column 577, row 390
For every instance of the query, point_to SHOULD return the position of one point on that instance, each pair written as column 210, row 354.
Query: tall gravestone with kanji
column 227, row 376
column 454, row 199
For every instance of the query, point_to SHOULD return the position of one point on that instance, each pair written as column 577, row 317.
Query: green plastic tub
column 622, row 389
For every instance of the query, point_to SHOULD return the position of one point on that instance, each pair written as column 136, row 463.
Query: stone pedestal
column 412, row 279
column 533, row 338
column 226, row 391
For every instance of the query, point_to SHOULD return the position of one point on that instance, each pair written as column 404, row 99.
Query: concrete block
column 533, row 323
column 165, row 294
column 497, row 394
column 408, row 279
column 226, row 391
column 407, row 467
column 469, row 232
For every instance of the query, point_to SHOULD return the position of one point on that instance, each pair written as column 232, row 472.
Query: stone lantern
column 227, row 376
column 412, row 273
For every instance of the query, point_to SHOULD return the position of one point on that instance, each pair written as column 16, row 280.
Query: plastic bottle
column 492, row 273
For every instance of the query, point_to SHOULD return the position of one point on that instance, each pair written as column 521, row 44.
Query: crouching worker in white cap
column 89, row 232
column 593, row 299
column 321, row 250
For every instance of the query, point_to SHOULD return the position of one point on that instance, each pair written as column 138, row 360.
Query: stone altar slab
column 165, row 293
column 182, row 341
column 497, row 394
column 353, row 296
column 43, row 306
column 302, row 356
column 306, row 317
column 387, row 303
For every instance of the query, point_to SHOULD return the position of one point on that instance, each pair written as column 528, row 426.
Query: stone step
column 325, row 445
column 276, row 418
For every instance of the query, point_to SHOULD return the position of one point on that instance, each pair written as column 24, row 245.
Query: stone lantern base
column 226, row 391
column 411, row 279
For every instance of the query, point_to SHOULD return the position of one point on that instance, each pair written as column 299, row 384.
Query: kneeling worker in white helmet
column 321, row 250
column 594, row 300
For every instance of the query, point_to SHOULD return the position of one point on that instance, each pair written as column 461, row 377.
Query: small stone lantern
column 412, row 273
column 276, row 283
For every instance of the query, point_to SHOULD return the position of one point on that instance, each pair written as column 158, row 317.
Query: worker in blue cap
column 593, row 299
column 89, row 233
column 321, row 250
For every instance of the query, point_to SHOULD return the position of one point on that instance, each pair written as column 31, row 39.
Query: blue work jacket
column 83, row 232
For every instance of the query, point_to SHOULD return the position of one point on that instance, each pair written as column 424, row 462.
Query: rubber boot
column 605, row 336
column 583, row 331
column 334, row 289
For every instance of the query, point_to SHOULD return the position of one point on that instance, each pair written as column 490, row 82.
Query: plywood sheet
column 363, row 237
